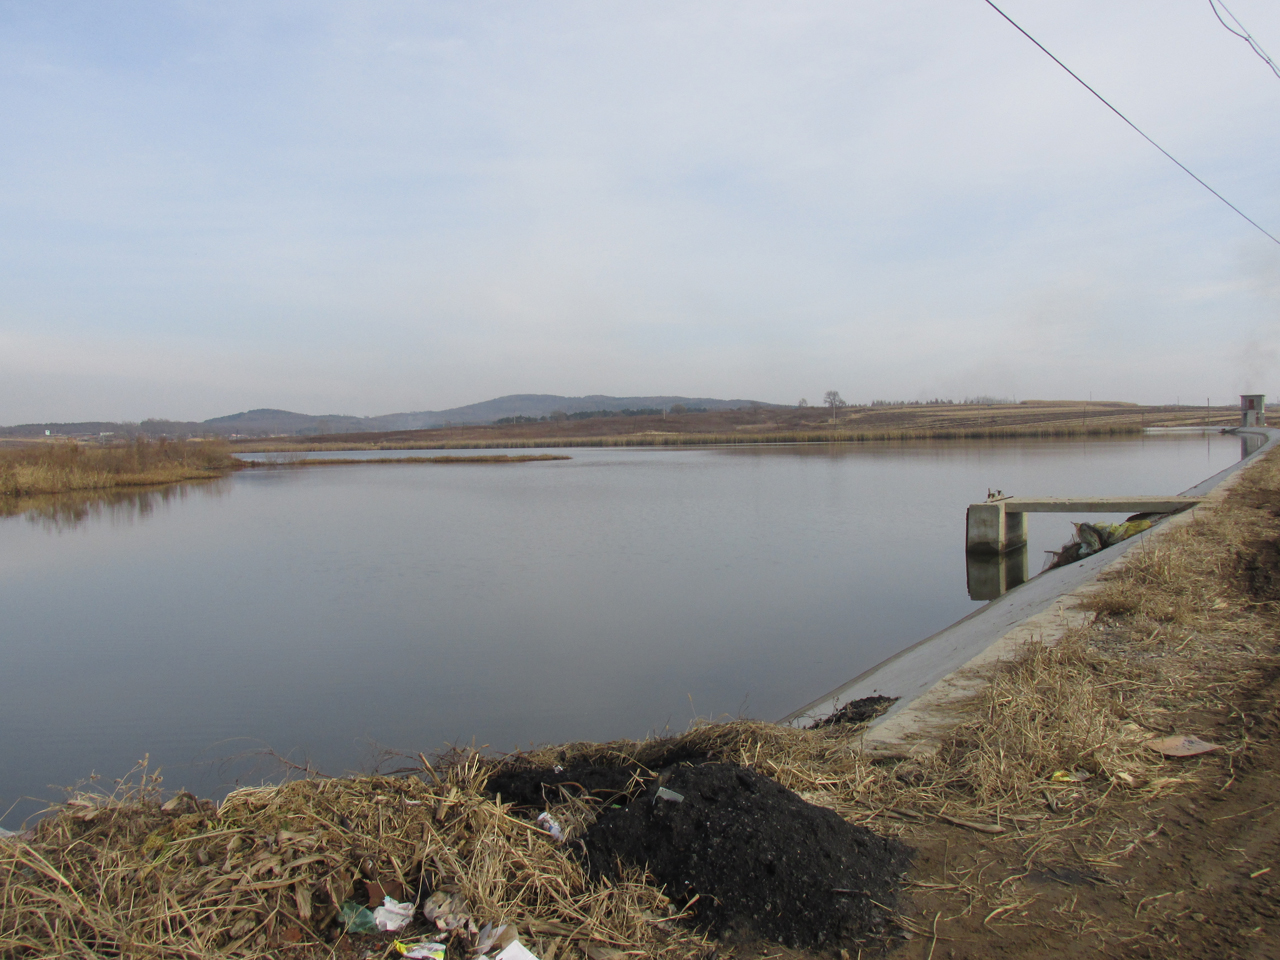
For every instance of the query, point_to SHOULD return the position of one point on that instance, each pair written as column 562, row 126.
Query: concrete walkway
column 932, row 675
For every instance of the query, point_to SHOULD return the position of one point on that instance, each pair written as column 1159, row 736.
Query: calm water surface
column 328, row 613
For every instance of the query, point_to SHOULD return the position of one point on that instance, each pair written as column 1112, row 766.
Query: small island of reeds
column 351, row 461
column 44, row 469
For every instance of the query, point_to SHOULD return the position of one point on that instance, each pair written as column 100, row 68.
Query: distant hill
column 267, row 422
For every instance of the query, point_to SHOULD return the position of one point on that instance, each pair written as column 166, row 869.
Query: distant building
column 1253, row 409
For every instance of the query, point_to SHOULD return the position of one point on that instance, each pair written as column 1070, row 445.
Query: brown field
column 353, row 461
column 786, row 425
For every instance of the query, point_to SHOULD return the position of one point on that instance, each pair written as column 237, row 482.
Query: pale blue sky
column 362, row 208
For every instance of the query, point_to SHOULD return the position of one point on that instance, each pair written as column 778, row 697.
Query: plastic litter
column 548, row 823
column 1180, row 745
column 505, row 940
column 420, row 949
column 1115, row 532
column 393, row 915
column 671, row 795
column 449, row 912
column 489, row 936
column 515, row 951
column 1092, row 537
column 356, row 918
column 1070, row 776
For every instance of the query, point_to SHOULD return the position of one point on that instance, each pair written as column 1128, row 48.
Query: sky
column 365, row 208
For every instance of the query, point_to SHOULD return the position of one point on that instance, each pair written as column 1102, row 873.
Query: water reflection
column 992, row 576
column 65, row 511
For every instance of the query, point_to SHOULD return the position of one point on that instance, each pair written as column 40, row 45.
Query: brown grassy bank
column 353, row 461
column 1045, row 826
column 45, row 469
column 1048, row 420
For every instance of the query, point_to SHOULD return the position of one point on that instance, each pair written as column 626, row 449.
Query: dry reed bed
column 124, row 876
column 42, row 469
column 128, row 875
column 672, row 439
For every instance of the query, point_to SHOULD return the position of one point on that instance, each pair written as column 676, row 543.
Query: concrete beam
column 1097, row 504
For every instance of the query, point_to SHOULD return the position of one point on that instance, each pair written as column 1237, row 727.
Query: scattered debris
column 863, row 710
column 490, row 935
column 1180, row 745
column 1091, row 537
column 515, row 951
column 549, row 824
column 356, row 918
column 449, row 911
column 662, row 793
column 420, row 950
column 393, row 916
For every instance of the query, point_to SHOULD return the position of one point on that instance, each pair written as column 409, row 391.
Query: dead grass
column 127, row 874
column 354, row 461
column 43, row 469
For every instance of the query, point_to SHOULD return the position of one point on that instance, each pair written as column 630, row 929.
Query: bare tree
column 834, row 402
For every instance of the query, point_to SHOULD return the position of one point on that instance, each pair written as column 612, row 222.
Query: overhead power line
column 1243, row 34
column 1108, row 105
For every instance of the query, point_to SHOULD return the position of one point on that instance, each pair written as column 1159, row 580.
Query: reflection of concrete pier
column 991, row 575
column 1000, row 524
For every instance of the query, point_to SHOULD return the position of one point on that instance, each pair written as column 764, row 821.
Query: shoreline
column 358, row 461
column 941, row 669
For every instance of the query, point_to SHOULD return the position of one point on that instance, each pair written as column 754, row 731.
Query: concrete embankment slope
column 930, row 677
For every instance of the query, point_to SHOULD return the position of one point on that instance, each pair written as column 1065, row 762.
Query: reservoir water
column 331, row 613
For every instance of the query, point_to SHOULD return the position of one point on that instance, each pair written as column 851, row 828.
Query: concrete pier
column 1000, row 523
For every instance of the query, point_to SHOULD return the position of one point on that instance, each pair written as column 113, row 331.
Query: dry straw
column 126, row 874
column 39, row 469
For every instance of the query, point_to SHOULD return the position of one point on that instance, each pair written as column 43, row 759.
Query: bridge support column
column 991, row 529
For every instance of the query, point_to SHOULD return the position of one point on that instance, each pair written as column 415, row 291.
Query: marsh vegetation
column 46, row 469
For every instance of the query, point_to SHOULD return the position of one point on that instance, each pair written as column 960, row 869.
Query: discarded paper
column 393, row 915
column 1182, row 745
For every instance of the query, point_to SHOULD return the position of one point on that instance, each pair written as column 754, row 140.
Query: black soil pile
column 856, row 711
column 750, row 858
column 539, row 787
